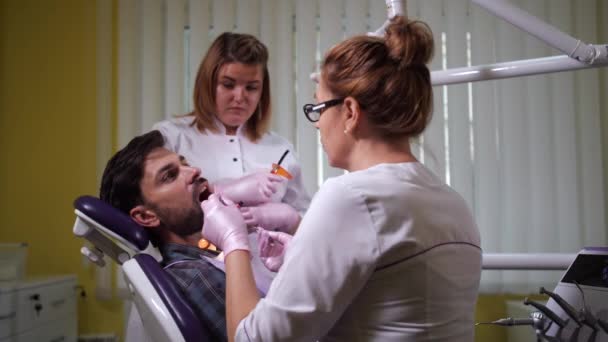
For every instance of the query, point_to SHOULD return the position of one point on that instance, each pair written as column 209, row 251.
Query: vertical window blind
column 525, row 153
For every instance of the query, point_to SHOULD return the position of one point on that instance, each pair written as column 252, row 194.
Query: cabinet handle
column 58, row 339
column 8, row 316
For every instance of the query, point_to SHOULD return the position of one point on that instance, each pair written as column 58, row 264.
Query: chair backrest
column 155, row 293
column 157, row 296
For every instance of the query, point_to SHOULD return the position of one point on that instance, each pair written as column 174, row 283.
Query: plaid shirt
column 203, row 285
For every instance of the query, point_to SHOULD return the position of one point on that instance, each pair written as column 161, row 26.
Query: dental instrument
column 277, row 169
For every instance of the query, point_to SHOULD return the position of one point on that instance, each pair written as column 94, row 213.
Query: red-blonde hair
column 231, row 48
column 387, row 76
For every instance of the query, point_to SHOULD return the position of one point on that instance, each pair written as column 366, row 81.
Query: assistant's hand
column 252, row 189
column 224, row 225
column 272, row 246
column 272, row 216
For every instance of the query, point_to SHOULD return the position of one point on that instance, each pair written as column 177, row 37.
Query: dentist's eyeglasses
column 313, row 111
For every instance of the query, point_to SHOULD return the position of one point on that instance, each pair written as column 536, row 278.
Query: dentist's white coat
column 390, row 253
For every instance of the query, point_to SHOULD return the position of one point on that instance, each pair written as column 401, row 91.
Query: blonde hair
column 231, row 48
column 387, row 76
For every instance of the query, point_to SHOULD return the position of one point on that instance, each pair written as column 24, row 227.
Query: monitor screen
column 588, row 269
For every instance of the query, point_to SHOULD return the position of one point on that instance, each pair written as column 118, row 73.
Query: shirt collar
column 173, row 252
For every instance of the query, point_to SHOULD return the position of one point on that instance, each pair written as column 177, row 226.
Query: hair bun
column 409, row 42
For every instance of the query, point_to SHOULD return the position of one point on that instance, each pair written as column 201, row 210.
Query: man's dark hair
column 120, row 183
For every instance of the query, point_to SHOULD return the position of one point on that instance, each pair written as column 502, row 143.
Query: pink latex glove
column 272, row 216
column 252, row 189
column 224, row 226
column 272, row 246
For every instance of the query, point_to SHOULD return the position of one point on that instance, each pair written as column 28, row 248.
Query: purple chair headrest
column 188, row 323
column 114, row 220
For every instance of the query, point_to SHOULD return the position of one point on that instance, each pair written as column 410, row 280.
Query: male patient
column 160, row 191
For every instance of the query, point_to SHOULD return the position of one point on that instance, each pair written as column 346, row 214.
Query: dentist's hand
column 224, row 226
column 272, row 246
column 252, row 189
column 272, row 216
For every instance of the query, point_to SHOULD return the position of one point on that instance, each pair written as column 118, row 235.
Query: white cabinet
column 39, row 310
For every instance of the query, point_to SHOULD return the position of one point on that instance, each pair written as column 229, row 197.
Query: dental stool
column 164, row 312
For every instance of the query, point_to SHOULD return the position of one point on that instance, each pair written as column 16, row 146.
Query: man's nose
column 195, row 173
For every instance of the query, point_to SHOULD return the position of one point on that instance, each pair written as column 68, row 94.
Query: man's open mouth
column 203, row 189
column 204, row 195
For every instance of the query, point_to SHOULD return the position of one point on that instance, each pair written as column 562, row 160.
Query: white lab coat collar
column 240, row 131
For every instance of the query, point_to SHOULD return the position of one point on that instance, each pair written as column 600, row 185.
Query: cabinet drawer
column 7, row 324
column 8, row 312
column 59, row 330
column 38, row 305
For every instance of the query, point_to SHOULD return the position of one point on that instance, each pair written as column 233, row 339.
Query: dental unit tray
column 577, row 309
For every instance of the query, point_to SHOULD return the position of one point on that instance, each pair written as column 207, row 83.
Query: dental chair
column 164, row 312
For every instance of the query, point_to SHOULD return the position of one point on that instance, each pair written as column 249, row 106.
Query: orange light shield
column 279, row 170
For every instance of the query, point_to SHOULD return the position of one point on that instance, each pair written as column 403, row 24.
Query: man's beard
column 182, row 221
column 185, row 221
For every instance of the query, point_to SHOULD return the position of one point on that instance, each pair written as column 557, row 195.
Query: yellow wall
column 490, row 308
column 48, row 138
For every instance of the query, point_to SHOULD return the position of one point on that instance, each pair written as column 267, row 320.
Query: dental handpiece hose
column 568, row 309
column 547, row 312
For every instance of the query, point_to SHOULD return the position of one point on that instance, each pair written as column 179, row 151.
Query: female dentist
column 227, row 136
column 386, row 252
